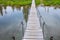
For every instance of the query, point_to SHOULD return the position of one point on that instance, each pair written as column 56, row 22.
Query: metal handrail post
column 22, row 28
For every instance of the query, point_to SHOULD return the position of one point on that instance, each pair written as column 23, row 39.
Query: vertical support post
column 43, row 28
column 40, row 19
column 22, row 29
column 51, row 38
column 13, row 37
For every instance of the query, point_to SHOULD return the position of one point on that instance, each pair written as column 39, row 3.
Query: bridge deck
column 33, row 30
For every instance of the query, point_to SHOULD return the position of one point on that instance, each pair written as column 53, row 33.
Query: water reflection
column 26, row 12
column 51, row 17
column 10, row 23
column 1, row 11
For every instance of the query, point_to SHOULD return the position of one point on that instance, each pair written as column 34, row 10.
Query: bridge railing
column 42, row 22
column 44, row 26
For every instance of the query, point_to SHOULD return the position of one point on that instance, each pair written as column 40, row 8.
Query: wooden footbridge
column 33, row 30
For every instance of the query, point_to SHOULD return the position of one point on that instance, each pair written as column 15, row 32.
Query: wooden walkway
column 33, row 30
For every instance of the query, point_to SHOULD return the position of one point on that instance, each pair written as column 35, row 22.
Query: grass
column 51, row 2
column 28, row 2
column 15, row 2
column 18, row 2
column 37, row 2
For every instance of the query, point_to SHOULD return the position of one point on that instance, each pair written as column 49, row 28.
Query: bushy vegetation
column 52, row 2
column 17, row 2
column 28, row 2
column 37, row 2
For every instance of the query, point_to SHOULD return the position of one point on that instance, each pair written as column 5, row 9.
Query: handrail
column 43, row 24
column 40, row 17
column 22, row 28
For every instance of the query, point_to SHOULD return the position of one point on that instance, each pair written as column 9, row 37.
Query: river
column 51, row 17
column 13, row 21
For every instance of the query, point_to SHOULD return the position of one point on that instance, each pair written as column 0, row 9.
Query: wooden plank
column 33, row 30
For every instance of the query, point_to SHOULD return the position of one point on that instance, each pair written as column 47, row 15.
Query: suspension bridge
column 33, row 30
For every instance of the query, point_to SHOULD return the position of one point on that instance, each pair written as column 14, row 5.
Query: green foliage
column 37, row 2
column 52, row 2
column 17, row 2
column 28, row 2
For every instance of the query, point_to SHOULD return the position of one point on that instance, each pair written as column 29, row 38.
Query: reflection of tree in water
column 12, row 8
column 18, row 7
column 57, row 7
column 47, row 9
column 26, row 10
column 5, row 9
column 1, row 10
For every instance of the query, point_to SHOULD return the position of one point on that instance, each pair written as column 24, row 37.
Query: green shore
column 18, row 2
column 51, row 2
column 28, row 2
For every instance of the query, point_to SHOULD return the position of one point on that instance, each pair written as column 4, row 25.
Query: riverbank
column 18, row 2
column 28, row 2
column 51, row 2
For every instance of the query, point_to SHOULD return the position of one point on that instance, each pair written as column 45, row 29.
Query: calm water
column 51, row 17
column 11, row 21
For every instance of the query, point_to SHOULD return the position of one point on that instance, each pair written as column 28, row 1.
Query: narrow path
column 33, row 30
